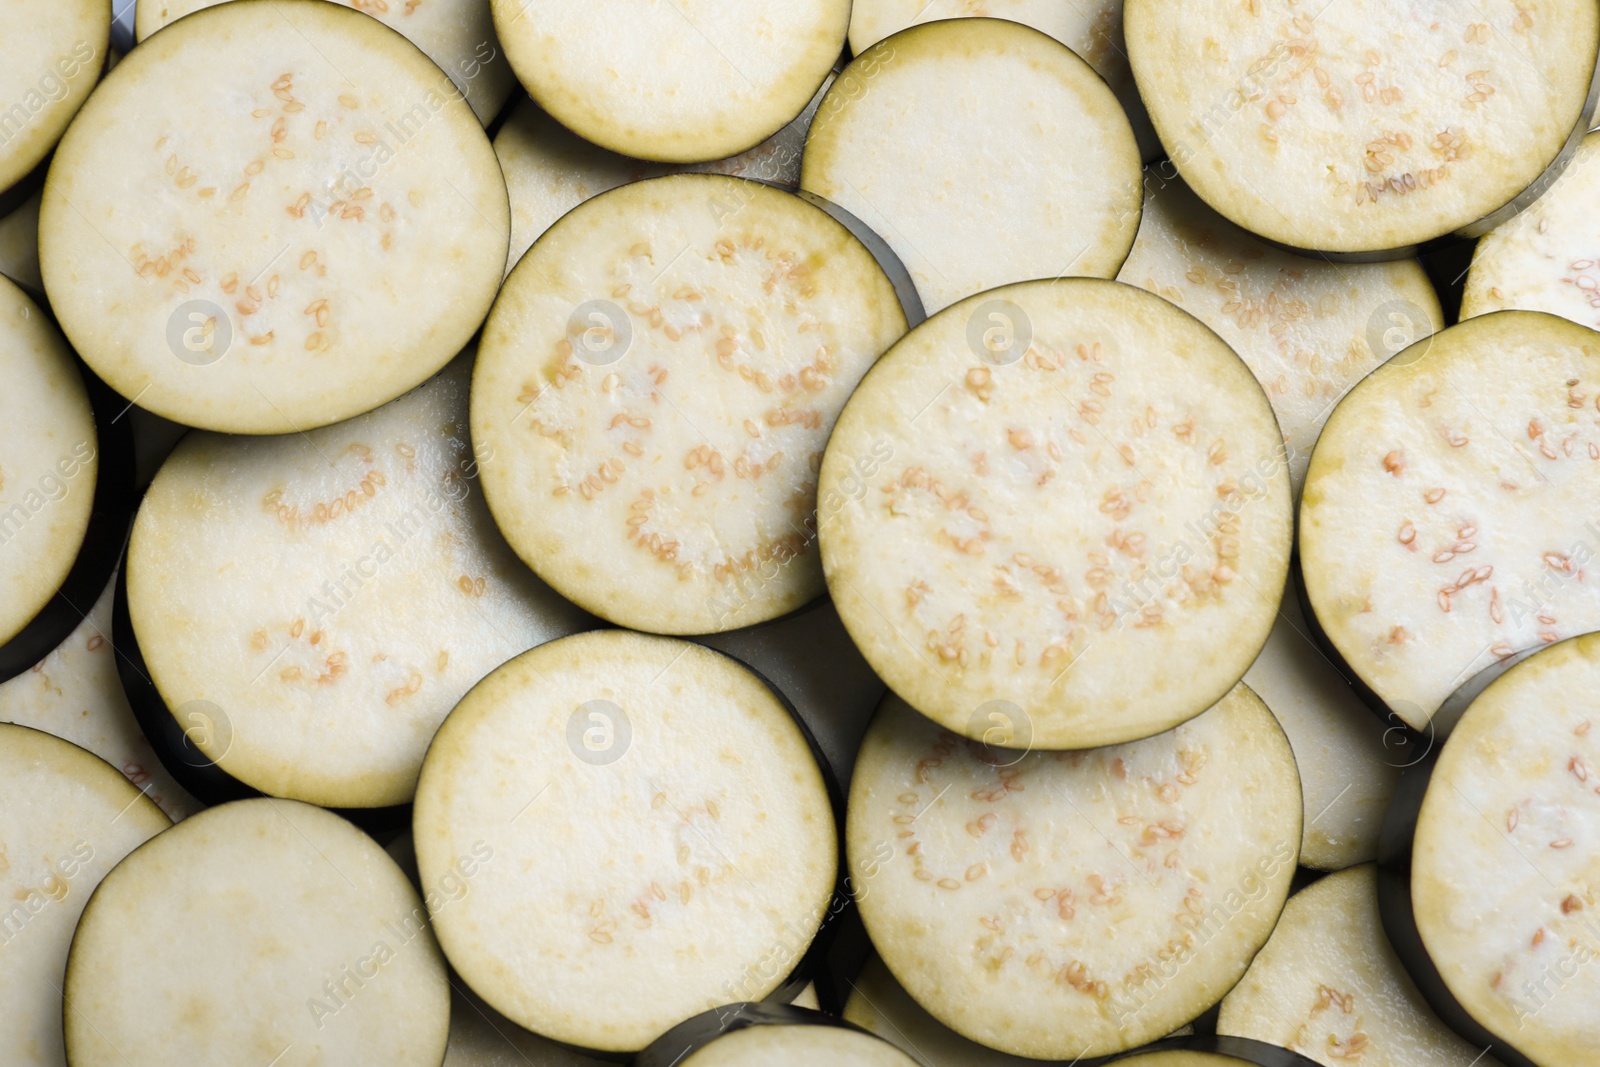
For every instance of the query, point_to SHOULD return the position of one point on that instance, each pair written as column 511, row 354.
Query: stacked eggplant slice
column 748, row 533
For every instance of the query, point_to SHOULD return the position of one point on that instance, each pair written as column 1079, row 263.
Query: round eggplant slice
column 1093, row 30
column 550, row 170
column 259, row 929
column 1328, row 985
column 767, row 1035
column 1503, row 889
column 666, row 807
column 1309, row 329
column 1349, row 760
column 1444, row 522
column 984, row 151
column 705, row 79
column 458, row 35
column 19, row 246
column 66, row 818
column 49, row 465
column 482, row 1037
column 1543, row 259
column 1054, row 905
column 74, row 693
column 277, row 215
column 656, row 384
column 55, row 53
column 1066, row 497
column 1365, row 127
column 324, row 599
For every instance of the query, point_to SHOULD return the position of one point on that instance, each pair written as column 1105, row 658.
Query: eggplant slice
column 1056, row 905
column 655, row 387
column 984, row 152
column 66, row 818
column 1066, row 496
column 768, row 1035
column 1502, row 886
column 550, row 170
column 1543, row 259
column 295, row 218
column 1328, row 985
column 1092, row 30
column 705, row 80
column 75, row 693
column 458, row 35
column 321, row 601
column 663, row 805
column 1365, row 127
column 55, row 53
column 1445, row 519
column 259, row 929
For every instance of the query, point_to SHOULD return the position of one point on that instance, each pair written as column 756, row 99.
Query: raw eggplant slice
column 984, row 151
column 1094, row 31
column 1055, row 905
column 1068, row 497
column 706, row 79
column 1544, row 258
column 1365, row 127
column 55, row 53
column 482, row 1037
column 19, row 246
column 319, row 602
column 656, row 384
column 66, row 818
column 768, row 1035
column 276, row 216
column 1444, row 522
column 1215, row 1051
column 74, row 693
column 1501, row 855
column 1309, row 329
column 550, row 170
column 66, row 475
column 1349, row 760
column 458, row 35
column 259, row 929
column 666, row 808
column 1328, row 985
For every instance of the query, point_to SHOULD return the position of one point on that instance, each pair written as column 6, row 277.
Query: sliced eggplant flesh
column 1445, row 518
column 66, row 818
column 550, row 170
column 704, row 80
column 1215, row 1051
column 279, row 215
column 55, row 53
column 482, row 1037
column 1364, row 127
column 458, row 35
column 1068, row 497
column 1062, row 904
column 258, row 929
column 1328, row 985
column 317, row 603
column 656, row 384
column 984, row 151
column 1543, row 259
column 664, row 804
